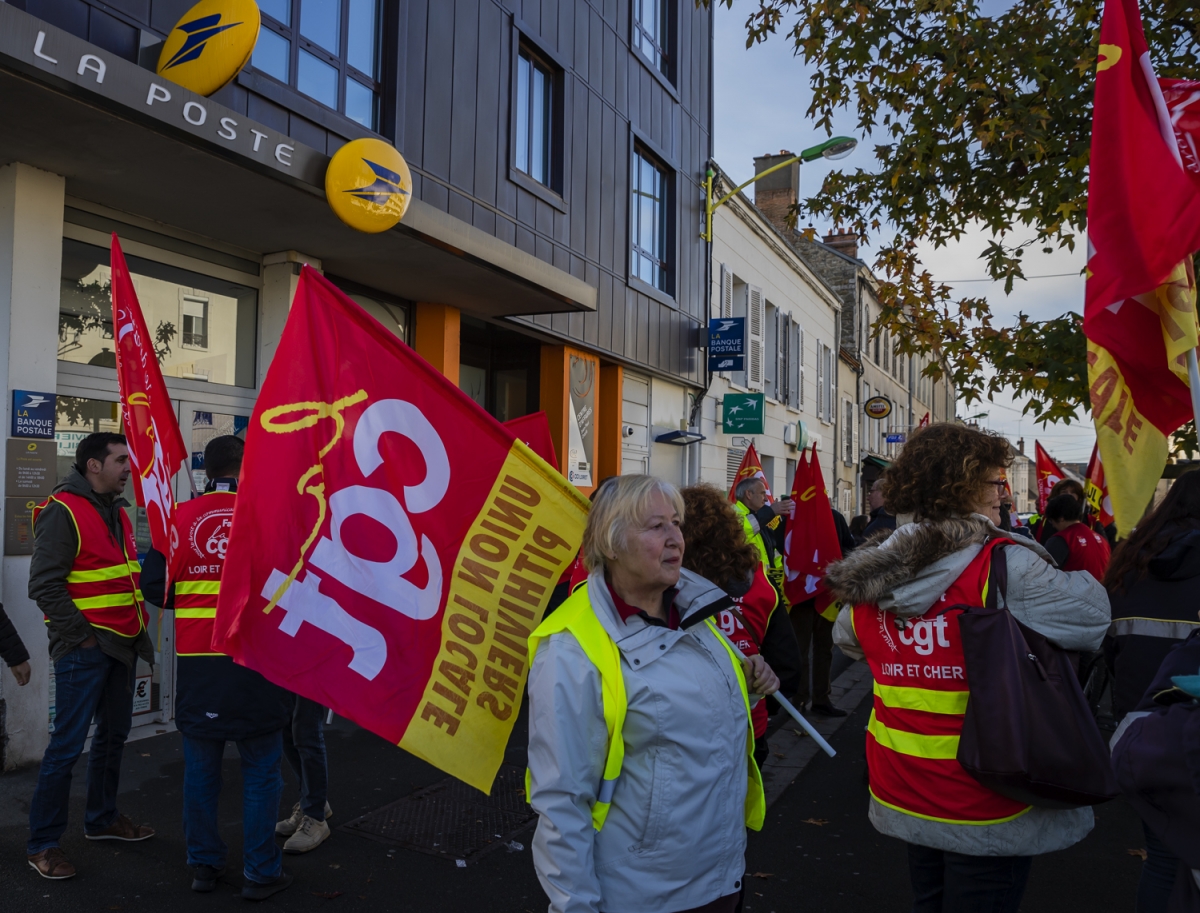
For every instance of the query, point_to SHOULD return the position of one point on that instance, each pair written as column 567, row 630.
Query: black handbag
column 1028, row 733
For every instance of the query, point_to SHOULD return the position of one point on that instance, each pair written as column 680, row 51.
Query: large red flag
column 751, row 468
column 156, row 447
column 1049, row 474
column 1143, row 225
column 1096, row 490
column 393, row 545
column 811, row 542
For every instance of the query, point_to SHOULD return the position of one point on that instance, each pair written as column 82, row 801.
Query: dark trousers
column 945, row 882
column 88, row 683
column 1158, row 875
column 812, row 631
column 262, row 860
column 304, row 746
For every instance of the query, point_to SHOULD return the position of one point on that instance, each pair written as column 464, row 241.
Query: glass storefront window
column 203, row 327
column 499, row 369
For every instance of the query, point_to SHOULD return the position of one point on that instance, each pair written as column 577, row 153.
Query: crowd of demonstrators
column 216, row 699
column 715, row 548
column 764, row 524
column 1152, row 581
column 615, row 712
column 969, row 848
column 84, row 577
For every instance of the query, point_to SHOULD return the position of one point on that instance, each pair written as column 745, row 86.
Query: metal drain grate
column 452, row 819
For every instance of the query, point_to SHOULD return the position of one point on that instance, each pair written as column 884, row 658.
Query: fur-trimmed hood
column 908, row 571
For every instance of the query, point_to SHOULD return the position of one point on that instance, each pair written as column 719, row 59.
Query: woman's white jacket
column 675, row 836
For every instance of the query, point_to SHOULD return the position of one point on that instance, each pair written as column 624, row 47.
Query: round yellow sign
column 878, row 407
column 210, row 44
column 368, row 185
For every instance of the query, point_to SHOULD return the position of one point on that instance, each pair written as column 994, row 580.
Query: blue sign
column 896, row 438
column 33, row 414
column 727, row 344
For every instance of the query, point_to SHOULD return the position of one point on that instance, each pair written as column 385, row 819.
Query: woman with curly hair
column 716, row 549
column 969, row 848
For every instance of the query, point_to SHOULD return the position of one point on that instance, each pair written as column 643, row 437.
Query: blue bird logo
column 382, row 189
column 199, row 31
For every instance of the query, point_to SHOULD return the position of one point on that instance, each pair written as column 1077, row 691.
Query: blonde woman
column 640, row 741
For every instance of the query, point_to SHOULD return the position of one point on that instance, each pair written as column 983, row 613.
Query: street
column 795, row 863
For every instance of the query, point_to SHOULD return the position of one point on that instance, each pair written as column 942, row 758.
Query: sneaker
column 827, row 710
column 205, row 878
column 261, row 890
column 123, row 829
column 309, row 835
column 52, row 863
column 288, row 825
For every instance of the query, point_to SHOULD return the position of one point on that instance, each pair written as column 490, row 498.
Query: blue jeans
column 262, row 783
column 1158, row 875
column 304, row 745
column 88, row 683
column 945, row 882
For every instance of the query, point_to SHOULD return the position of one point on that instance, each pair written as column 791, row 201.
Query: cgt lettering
column 922, row 635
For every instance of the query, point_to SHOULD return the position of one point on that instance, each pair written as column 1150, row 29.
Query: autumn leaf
column 763, row 875
column 1139, row 853
column 819, row 822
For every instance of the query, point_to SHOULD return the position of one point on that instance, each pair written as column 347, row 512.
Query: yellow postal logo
column 210, row 44
column 368, row 185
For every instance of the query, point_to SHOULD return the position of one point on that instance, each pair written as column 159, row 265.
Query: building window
column 649, row 223
column 652, row 32
column 194, row 317
column 535, row 117
column 328, row 50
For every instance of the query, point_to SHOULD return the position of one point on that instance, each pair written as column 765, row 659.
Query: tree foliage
column 975, row 120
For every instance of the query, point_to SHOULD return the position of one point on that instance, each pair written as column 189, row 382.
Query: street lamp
column 836, row 148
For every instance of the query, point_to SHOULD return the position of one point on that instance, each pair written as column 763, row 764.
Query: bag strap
column 997, row 578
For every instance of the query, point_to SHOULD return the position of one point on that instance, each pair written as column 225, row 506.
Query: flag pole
column 1194, row 384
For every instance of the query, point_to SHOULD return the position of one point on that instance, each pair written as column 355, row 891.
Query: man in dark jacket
column 880, row 518
column 218, row 700
column 12, row 650
column 1150, row 617
column 83, row 576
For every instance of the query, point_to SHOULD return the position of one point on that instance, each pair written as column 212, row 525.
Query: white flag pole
column 1194, row 383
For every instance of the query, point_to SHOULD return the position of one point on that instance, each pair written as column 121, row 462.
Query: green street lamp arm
column 835, row 148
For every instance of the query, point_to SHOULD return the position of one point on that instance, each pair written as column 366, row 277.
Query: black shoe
column 827, row 710
column 257, row 890
column 205, row 878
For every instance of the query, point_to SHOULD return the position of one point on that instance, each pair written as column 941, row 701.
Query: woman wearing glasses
column 968, row 848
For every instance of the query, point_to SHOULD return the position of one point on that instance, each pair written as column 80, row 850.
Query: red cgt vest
column 756, row 606
column 921, row 693
column 104, row 580
column 198, row 542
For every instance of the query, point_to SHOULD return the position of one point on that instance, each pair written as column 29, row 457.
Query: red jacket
column 754, row 608
column 1087, row 550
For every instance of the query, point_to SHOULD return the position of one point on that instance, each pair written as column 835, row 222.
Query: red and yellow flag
column 1095, row 489
column 393, row 545
column 1143, row 225
column 751, row 468
column 1049, row 474
column 156, row 447
column 811, row 542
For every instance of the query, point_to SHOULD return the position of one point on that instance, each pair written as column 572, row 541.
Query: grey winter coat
column 675, row 836
column 906, row 574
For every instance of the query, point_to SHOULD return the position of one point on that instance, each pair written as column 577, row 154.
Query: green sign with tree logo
column 742, row 413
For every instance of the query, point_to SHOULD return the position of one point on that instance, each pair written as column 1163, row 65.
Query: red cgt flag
column 811, row 542
column 1143, row 226
column 534, row 430
column 751, row 468
column 1096, row 490
column 1049, row 474
column 156, row 447
column 393, row 545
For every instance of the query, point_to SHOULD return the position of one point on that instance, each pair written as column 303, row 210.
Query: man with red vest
column 1075, row 546
column 84, row 576
column 216, row 699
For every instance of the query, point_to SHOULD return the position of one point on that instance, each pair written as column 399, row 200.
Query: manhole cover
column 452, row 819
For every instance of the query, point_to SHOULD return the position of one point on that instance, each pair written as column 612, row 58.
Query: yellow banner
column 526, row 535
column 1132, row 450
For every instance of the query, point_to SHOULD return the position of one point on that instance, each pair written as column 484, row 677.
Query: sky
column 760, row 102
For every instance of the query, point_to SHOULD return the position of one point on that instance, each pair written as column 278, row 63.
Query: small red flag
column 924, row 422
column 751, row 467
column 1095, row 489
column 156, row 447
column 811, row 542
column 393, row 545
column 1049, row 474
column 534, row 430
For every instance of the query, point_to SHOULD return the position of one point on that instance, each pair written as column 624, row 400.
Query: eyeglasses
column 1001, row 484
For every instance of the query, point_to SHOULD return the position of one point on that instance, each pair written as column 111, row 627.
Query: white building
column 792, row 338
